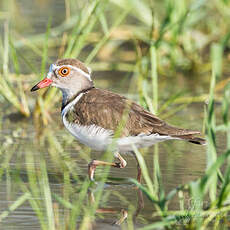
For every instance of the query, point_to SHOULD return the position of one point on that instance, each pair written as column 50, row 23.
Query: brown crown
column 73, row 62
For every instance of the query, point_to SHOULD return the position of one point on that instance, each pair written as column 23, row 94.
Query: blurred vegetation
column 157, row 45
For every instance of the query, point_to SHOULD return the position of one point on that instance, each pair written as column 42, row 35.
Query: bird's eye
column 64, row 71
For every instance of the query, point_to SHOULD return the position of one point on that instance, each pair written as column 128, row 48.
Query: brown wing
column 106, row 109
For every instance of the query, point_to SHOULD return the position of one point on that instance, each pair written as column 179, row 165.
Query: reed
column 171, row 31
column 169, row 40
column 207, row 184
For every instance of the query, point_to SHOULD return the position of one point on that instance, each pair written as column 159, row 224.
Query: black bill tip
column 35, row 88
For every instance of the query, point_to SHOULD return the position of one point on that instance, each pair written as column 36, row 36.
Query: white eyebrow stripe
column 54, row 67
column 49, row 75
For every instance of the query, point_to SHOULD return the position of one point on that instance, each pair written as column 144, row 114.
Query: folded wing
column 109, row 110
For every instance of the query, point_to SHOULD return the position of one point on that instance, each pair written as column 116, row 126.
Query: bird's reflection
column 122, row 210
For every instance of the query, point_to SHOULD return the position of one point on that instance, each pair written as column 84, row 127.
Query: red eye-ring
column 64, row 71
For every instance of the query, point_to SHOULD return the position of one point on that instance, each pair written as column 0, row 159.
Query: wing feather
column 104, row 108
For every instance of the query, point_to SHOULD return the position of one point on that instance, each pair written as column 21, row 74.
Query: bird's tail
column 193, row 139
column 184, row 134
column 198, row 141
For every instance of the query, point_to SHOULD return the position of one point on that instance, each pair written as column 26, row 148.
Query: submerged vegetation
column 169, row 52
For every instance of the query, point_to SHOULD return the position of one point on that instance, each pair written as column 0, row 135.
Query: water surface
column 180, row 162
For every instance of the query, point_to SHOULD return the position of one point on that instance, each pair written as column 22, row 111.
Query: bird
column 92, row 115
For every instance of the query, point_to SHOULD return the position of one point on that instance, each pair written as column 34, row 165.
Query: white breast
column 93, row 136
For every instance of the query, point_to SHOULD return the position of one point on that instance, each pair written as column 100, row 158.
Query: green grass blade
column 45, row 187
column 22, row 199
column 106, row 37
column 145, row 172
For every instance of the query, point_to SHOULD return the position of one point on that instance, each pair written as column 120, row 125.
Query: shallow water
column 180, row 162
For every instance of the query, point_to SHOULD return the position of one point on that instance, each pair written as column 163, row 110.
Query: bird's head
column 70, row 75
